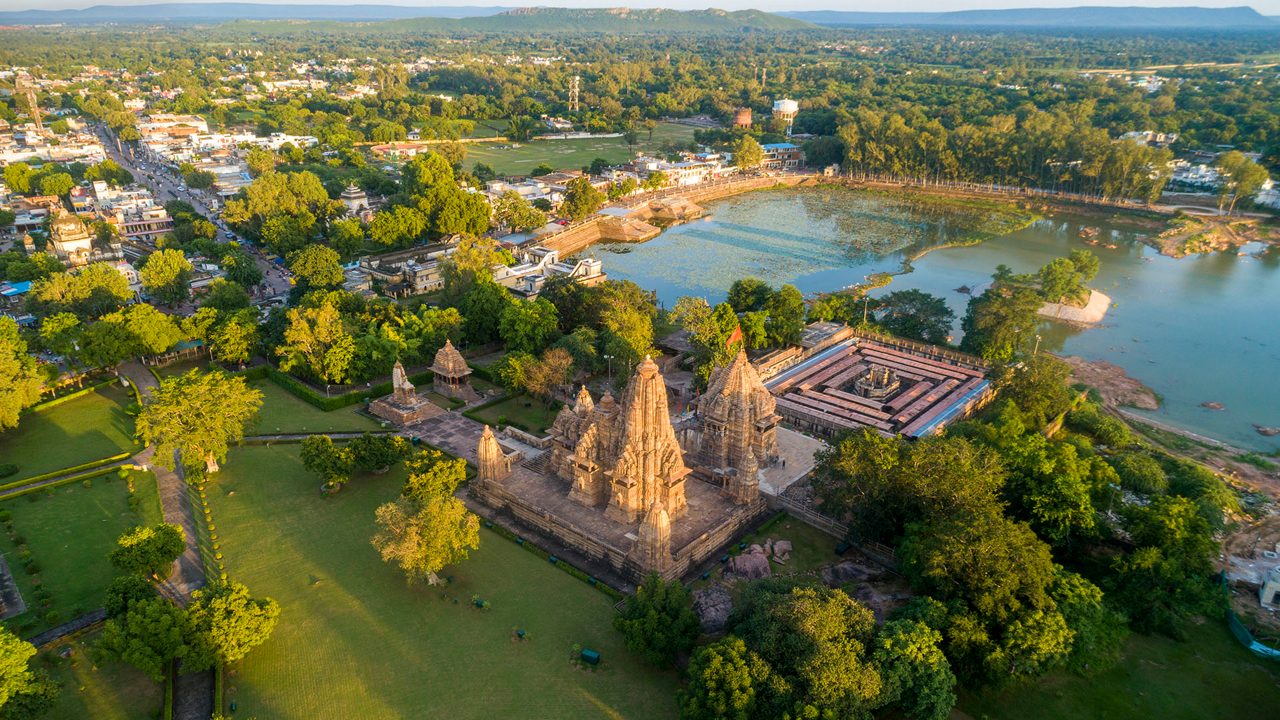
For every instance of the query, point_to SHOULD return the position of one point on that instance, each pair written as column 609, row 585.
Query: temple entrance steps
column 538, row 463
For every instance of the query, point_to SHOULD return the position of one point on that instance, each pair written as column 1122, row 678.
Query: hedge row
column 336, row 402
column 64, row 471
column 558, row 562
column 71, row 396
column 67, row 481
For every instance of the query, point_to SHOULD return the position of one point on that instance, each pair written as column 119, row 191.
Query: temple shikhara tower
column 616, row 484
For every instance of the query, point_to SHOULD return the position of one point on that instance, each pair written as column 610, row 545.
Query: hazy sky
column 1267, row 7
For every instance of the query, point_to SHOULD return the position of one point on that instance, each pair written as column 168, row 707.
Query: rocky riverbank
column 1111, row 381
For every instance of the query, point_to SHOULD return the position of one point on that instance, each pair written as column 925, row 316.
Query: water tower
column 786, row 111
column 742, row 119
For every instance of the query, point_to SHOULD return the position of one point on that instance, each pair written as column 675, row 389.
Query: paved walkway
column 193, row 693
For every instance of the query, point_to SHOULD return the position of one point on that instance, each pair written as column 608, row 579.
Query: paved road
column 193, row 692
column 166, row 186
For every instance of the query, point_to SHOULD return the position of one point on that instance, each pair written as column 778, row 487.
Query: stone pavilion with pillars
column 452, row 375
column 615, row 487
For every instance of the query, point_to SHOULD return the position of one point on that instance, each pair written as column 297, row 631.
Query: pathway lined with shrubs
column 193, row 692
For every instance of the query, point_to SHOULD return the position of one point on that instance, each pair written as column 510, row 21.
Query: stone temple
column 617, row 486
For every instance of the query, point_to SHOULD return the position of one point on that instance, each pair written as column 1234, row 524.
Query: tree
column 149, row 551
column 260, row 161
column 658, row 622
column 711, row 333
column 377, row 453
column 150, row 636
column 346, row 236
column 544, row 376
column 234, row 338
column 581, row 199
column 483, row 308
column 1241, row 177
column 93, row 292
column 124, row 591
column 199, row 415
column 1140, row 473
column 1059, row 280
column 21, row 381
column 915, row 672
column 167, row 276
column 58, row 184
column 817, row 640
column 1099, row 630
column 317, row 266
column 528, row 325
column 747, row 294
column 15, row 677
column 225, row 623
column 332, row 462
column 471, row 261
column 786, row 316
column 725, row 680
column 1000, row 323
column 747, row 153
column 398, row 227
column 514, row 212
column 225, row 296
column 18, row 177
column 915, row 315
column 426, row 533
column 241, row 268
column 316, row 341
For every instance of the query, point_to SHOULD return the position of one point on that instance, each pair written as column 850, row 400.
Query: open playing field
column 70, row 433
column 112, row 690
column 1208, row 676
column 355, row 641
column 570, row 154
column 284, row 412
column 70, row 534
column 522, row 411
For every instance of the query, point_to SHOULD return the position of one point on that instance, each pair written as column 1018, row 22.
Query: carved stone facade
column 614, row 485
column 735, row 430
column 626, row 455
column 452, row 374
column 403, row 406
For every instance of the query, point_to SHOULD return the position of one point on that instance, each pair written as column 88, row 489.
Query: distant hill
column 217, row 12
column 544, row 21
column 1128, row 18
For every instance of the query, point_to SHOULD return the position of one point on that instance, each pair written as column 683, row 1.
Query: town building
column 73, row 243
column 782, row 156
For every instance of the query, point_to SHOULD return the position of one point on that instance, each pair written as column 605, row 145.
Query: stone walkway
column 193, row 693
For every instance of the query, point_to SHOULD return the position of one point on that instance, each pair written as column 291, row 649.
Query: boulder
column 750, row 566
column 713, row 605
column 782, row 550
column 845, row 572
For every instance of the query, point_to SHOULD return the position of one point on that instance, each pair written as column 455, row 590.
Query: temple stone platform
column 542, row 503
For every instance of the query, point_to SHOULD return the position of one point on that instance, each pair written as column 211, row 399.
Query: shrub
column 8, row 469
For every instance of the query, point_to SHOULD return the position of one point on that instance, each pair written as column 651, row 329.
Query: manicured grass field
column 522, row 411
column 355, row 641
column 112, row 690
column 284, row 412
column 570, row 154
column 70, row 534
column 70, row 433
column 1208, row 676
column 182, row 367
column 811, row 548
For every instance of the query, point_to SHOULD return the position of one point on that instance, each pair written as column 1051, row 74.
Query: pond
column 1198, row 329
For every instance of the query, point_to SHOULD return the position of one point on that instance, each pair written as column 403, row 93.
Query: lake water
column 1199, row 329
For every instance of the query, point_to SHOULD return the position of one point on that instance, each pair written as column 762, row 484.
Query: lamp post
column 609, row 360
column 1037, row 350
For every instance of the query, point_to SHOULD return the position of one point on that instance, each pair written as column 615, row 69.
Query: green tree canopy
column 658, row 622
column 149, row 551
column 225, row 623
column 199, row 415
column 21, row 381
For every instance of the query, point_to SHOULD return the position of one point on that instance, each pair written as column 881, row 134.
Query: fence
column 1242, row 633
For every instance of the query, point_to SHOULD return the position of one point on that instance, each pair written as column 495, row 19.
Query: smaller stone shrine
column 877, row 383
column 452, row 374
column 403, row 406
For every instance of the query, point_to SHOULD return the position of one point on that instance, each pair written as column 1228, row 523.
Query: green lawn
column 355, row 641
column 522, row 411
column 1208, row 676
column 811, row 548
column 570, row 154
column 70, row 533
column 112, row 690
column 182, row 367
column 282, row 411
column 80, row 430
